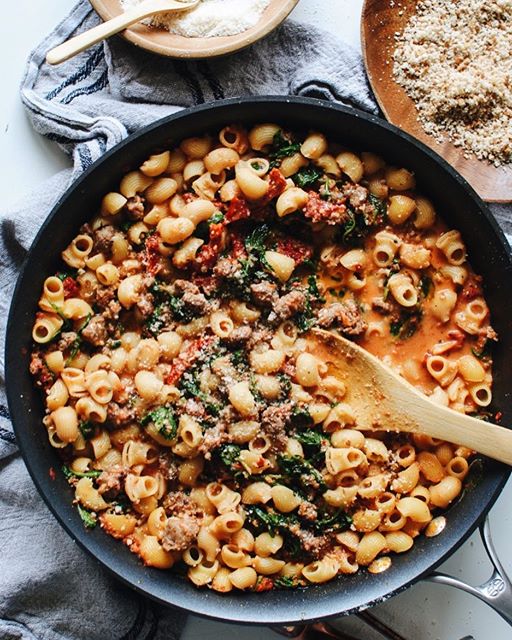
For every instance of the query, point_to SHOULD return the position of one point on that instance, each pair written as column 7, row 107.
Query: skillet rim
column 262, row 611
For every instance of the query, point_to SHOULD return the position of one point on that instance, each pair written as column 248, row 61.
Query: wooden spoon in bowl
column 382, row 400
column 106, row 29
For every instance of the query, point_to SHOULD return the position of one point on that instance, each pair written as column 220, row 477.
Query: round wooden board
column 167, row 44
column 380, row 21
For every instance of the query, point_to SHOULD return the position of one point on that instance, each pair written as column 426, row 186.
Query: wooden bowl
column 380, row 20
column 164, row 43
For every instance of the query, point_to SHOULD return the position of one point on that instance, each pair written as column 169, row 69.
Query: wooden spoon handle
column 85, row 40
column 487, row 438
column 106, row 29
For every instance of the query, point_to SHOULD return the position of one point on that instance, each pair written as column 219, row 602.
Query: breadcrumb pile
column 454, row 59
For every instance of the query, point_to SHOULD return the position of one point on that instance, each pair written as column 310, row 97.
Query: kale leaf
column 69, row 473
column 307, row 176
column 203, row 228
column 325, row 188
column 190, row 385
column 310, row 438
column 286, row 385
column 257, row 165
column 229, row 454
column 282, row 147
column 380, row 207
column 285, row 582
column 77, row 342
column 217, row 218
column 164, row 420
column 179, row 309
column 306, row 318
column 121, row 502
column 336, row 521
column 348, row 227
column 270, row 521
column 484, row 352
column 62, row 275
column 239, row 359
column 256, row 242
column 87, row 429
column 155, row 323
column 301, row 418
column 87, row 518
column 406, row 325
column 425, row 286
column 356, row 227
column 313, row 290
column 166, row 302
column 301, row 472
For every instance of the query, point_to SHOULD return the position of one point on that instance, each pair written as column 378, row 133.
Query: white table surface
column 424, row 612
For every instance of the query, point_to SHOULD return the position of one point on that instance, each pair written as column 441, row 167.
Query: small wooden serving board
column 380, row 21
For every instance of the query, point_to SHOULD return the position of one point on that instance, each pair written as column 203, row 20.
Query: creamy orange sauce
column 406, row 356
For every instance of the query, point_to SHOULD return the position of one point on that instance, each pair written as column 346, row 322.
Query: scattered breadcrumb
column 454, row 59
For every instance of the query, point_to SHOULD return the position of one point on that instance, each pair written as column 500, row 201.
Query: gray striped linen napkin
column 49, row 589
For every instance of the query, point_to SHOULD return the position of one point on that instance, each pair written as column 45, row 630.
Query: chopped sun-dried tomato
column 152, row 258
column 71, row 288
column 472, row 288
column 264, row 584
column 276, row 184
column 51, row 473
column 186, row 359
column 238, row 210
column 295, row 249
column 208, row 254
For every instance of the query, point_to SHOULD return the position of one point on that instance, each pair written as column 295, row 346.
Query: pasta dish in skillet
column 193, row 422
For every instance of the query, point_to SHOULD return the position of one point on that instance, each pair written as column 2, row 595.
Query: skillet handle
column 324, row 631
column 314, row 631
column 497, row 591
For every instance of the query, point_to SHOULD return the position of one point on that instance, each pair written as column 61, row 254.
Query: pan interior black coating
column 457, row 204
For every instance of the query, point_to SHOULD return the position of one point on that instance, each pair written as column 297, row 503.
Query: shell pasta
column 193, row 421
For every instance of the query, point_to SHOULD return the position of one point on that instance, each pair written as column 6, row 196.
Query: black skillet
column 455, row 201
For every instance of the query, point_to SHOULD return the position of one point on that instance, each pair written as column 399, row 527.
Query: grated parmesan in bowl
column 454, row 59
column 209, row 18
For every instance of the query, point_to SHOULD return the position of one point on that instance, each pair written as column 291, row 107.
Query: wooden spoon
column 383, row 400
column 106, row 29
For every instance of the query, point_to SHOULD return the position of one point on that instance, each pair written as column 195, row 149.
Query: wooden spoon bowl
column 380, row 21
column 382, row 400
